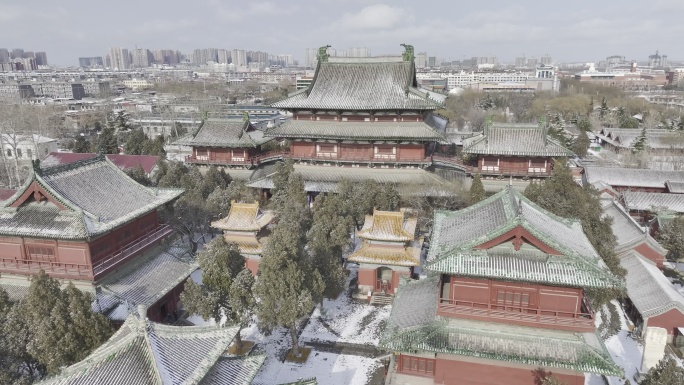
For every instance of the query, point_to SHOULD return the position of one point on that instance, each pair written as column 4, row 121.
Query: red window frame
column 419, row 366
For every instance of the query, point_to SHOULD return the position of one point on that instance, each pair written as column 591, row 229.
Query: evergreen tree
column 667, row 372
column 80, row 145
column 557, row 131
column 640, row 143
column 672, row 237
column 154, row 146
column 603, row 111
column 106, row 142
column 581, row 144
column 212, row 179
column 139, row 175
column 221, row 263
column 289, row 286
column 135, row 142
column 242, row 302
column 328, row 238
column 477, row 190
column 171, row 174
column 562, row 196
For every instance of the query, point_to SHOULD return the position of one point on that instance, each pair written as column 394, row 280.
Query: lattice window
column 41, row 253
column 418, row 365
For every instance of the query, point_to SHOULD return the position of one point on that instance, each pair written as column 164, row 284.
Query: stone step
column 381, row 299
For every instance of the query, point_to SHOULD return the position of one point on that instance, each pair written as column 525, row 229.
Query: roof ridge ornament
column 323, row 53
column 408, row 52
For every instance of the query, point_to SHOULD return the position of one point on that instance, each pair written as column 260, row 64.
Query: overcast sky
column 578, row 30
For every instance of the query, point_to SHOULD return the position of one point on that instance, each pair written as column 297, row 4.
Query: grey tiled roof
column 654, row 202
column 326, row 178
column 634, row 177
column 149, row 279
column 361, row 84
column 418, row 131
column 647, row 287
column 627, row 231
column 234, row 370
column 514, row 139
column 456, row 234
column 229, row 133
column 675, row 187
column 99, row 195
column 15, row 292
column 655, row 138
column 415, row 304
column 146, row 353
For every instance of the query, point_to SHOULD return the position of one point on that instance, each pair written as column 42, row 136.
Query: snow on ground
column 625, row 351
column 344, row 320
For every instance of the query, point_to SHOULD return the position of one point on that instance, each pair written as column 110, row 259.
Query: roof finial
column 142, row 312
column 323, row 54
column 36, row 166
column 408, row 52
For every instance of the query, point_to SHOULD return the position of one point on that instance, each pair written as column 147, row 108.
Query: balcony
column 497, row 171
column 242, row 161
column 53, row 269
column 130, row 250
column 524, row 316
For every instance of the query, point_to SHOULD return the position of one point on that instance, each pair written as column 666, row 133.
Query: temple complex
column 245, row 226
column 513, row 149
column 504, row 300
column 88, row 222
column 389, row 250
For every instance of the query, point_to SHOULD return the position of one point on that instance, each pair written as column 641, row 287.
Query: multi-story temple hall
column 91, row 224
column 504, row 301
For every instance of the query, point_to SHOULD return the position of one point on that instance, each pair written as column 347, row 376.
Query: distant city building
column 657, row 60
column 4, row 55
column 87, row 62
column 41, row 59
column 17, row 53
column 120, row 58
column 520, row 62
column 310, row 57
column 239, row 57
column 60, row 90
column 421, row 60
column 546, row 60
column 303, row 81
column 14, row 92
column 141, row 58
column 358, row 52
column 137, row 84
column 204, row 55
column 27, row 147
column 223, row 56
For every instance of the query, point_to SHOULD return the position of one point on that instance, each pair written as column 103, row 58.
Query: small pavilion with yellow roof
column 246, row 226
column 389, row 249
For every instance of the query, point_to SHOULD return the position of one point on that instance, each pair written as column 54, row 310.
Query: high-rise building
column 141, row 58
column 120, row 58
column 239, row 57
column 87, row 62
column 203, row 55
column 432, row 61
column 546, row 60
column 223, row 56
column 4, row 55
column 41, row 58
column 520, row 62
column 532, row 62
column 421, row 60
column 358, row 52
column 310, row 57
column 17, row 53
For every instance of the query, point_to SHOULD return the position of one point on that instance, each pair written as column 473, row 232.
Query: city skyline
column 447, row 30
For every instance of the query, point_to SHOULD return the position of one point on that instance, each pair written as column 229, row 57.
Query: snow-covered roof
column 653, row 202
column 648, row 288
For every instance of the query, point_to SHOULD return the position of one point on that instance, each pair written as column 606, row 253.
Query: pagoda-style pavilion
column 146, row 353
column 245, row 225
column 224, row 142
column 361, row 111
column 518, row 150
column 504, row 299
column 389, row 250
column 81, row 222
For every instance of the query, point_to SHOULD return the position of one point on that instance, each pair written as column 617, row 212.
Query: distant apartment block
column 14, row 92
column 120, row 58
column 27, row 147
column 88, row 62
column 97, row 89
column 137, row 84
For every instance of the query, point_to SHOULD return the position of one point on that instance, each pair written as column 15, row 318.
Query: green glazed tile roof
column 516, row 140
column 413, row 327
column 146, row 353
column 234, row 370
column 456, row 234
column 363, row 85
column 413, row 131
column 229, row 133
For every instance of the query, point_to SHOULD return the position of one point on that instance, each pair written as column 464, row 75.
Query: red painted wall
column 122, row 236
column 407, row 151
column 304, row 149
column 669, row 320
column 454, row 372
column 252, row 265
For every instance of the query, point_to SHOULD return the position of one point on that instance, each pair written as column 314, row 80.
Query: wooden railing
column 54, row 269
column 517, row 314
column 130, row 250
column 208, row 160
column 504, row 172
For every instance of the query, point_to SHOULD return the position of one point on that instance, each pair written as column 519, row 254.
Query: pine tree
column 220, row 263
column 288, row 286
column 328, row 238
column 139, row 175
column 640, row 143
column 154, row 146
column 672, row 237
column 477, row 190
column 667, row 372
column 242, row 302
column 603, row 112
column 135, row 142
column 80, row 145
column 106, row 142
column 581, row 144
